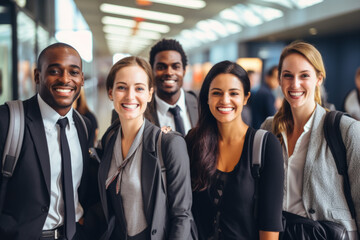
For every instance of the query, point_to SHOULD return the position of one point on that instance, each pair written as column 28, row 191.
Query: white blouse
column 294, row 171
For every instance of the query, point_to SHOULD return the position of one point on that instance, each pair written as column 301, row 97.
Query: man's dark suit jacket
column 191, row 103
column 27, row 198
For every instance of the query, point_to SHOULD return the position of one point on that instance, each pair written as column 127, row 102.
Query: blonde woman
column 313, row 188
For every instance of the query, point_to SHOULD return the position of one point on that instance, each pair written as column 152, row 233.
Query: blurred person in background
column 352, row 99
column 81, row 106
column 272, row 81
column 261, row 102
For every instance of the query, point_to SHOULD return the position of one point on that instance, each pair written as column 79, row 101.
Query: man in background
column 172, row 106
column 352, row 99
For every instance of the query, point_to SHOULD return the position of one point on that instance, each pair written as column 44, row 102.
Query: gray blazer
column 168, row 217
column 323, row 194
column 191, row 105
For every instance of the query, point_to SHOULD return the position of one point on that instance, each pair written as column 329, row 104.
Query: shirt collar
column 50, row 116
column 307, row 127
column 134, row 146
column 163, row 106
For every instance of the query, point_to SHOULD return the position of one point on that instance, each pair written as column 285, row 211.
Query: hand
column 166, row 129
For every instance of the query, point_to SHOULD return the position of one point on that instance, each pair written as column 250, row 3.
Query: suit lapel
column 191, row 105
column 312, row 155
column 83, row 139
column 154, row 115
column 36, row 128
column 148, row 168
column 104, row 170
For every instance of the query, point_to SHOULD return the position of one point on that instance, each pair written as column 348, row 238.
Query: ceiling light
column 232, row 27
column 313, row 31
column 130, row 32
column 265, row 12
column 307, row 3
column 193, row 4
column 146, row 14
column 230, row 14
column 162, row 28
column 218, row 27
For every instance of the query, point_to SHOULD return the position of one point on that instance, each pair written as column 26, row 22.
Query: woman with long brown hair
column 221, row 163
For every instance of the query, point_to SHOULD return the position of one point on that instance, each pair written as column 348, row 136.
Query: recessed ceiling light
column 193, row 4
column 313, row 31
column 132, row 23
column 146, row 14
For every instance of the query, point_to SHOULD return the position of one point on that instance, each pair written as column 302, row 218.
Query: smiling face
column 298, row 81
column 226, row 98
column 131, row 93
column 168, row 72
column 59, row 78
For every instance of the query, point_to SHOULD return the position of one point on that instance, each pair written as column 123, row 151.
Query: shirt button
column 153, row 232
column 44, row 209
column 311, row 211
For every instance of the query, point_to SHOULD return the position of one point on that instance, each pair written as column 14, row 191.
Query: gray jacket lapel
column 313, row 152
column 149, row 169
column 192, row 107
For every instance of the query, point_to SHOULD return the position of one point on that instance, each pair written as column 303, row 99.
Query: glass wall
column 26, row 36
column 5, row 53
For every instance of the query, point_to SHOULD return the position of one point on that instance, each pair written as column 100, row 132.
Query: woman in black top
column 223, row 198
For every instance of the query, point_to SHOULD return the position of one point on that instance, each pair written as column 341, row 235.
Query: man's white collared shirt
column 166, row 118
column 55, row 216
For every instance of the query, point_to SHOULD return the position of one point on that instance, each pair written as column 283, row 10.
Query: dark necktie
column 67, row 184
column 179, row 124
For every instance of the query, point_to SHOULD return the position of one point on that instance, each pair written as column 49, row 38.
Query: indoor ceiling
column 218, row 19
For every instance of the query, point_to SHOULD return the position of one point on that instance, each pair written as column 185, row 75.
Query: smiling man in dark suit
column 34, row 206
column 172, row 106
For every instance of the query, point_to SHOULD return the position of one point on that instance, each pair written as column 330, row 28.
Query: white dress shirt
column 294, row 171
column 55, row 216
column 166, row 118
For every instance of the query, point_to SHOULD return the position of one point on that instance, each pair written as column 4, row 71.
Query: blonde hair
column 283, row 120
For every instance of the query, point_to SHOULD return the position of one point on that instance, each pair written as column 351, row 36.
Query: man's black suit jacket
column 27, row 199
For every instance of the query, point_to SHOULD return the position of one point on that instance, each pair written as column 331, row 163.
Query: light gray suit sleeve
column 350, row 131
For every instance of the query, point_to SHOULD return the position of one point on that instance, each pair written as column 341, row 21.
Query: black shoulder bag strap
column 258, row 153
column 13, row 145
column 333, row 138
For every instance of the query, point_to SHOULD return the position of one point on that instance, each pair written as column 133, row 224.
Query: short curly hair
column 167, row 45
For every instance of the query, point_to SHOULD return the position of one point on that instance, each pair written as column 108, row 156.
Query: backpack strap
column 337, row 147
column 258, row 153
column 259, row 143
column 14, row 138
column 12, row 146
column 161, row 160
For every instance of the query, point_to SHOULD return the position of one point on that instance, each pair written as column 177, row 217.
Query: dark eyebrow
column 215, row 89
column 59, row 65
